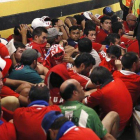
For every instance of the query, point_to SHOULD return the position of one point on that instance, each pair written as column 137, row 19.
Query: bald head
column 67, row 83
column 131, row 17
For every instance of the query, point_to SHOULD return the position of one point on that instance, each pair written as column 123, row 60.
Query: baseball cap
column 29, row 55
column 108, row 11
column 39, row 22
column 5, row 65
column 86, row 15
column 46, row 18
column 52, row 32
column 49, row 119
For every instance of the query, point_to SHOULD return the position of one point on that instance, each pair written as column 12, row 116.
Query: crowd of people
column 72, row 79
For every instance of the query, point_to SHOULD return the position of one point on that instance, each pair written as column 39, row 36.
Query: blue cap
column 49, row 119
column 108, row 11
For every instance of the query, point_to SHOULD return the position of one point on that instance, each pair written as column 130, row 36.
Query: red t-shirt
column 101, row 35
column 7, row 131
column 6, row 91
column 109, row 64
column 41, row 48
column 27, row 121
column 113, row 97
column 132, row 82
column 127, row 28
column 4, row 53
column 77, row 133
column 65, row 73
column 96, row 46
column 134, row 47
column 102, row 54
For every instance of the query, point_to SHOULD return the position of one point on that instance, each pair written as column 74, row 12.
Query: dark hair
column 16, row 28
column 105, row 18
column 39, row 93
column 100, row 75
column 19, row 45
column 79, row 19
column 116, row 26
column 90, row 24
column 85, row 45
column 73, row 28
column 54, row 21
column 114, row 50
column 85, row 58
column 59, row 122
column 111, row 38
column 114, row 19
column 51, row 40
column 86, row 30
column 68, row 91
column 128, row 59
column 38, row 31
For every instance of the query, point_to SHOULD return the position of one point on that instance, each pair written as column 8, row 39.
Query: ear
column 134, row 66
column 82, row 66
column 35, row 37
column 53, row 134
column 75, row 93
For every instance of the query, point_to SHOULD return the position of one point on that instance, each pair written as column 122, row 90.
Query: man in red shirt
column 66, row 130
column 39, row 42
column 61, row 72
column 112, row 95
column 113, row 53
column 90, row 33
column 131, row 65
column 104, row 30
column 7, row 129
column 130, row 23
column 27, row 120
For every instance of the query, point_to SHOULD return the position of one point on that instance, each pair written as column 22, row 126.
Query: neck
column 76, row 69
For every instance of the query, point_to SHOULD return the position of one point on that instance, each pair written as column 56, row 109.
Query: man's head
column 20, row 48
column 52, row 122
column 130, row 61
column 114, row 52
column 54, row 36
column 74, row 33
column 100, row 75
column 118, row 28
column 85, row 45
column 39, row 93
column 131, row 20
column 84, row 62
column 71, row 90
column 112, row 39
column 90, row 33
column 106, row 23
column 29, row 57
column 72, row 20
column 57, row 53
column 40, row 35
column 107, row 11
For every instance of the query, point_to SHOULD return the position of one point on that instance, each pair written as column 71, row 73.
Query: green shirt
column 25, row 73
column 83, row 116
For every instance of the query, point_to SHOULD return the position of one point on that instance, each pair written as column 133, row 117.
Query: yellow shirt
column 136, row 8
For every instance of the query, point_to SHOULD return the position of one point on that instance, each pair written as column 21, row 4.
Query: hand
column 30, row 29
column 41, row 84
column 68, row 22
column 63, row 43
column 68, row 59
column 60, row 23
column 118, row 64
column 23, row 29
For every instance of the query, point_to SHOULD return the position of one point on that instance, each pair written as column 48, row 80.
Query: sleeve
column 94, row 99
column 96, row 46
column 4, row 53
column 12, row 131
column 95, row 124
column 6, row 91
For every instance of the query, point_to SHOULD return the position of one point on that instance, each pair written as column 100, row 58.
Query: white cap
column 86, row 14
column 39, row 22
